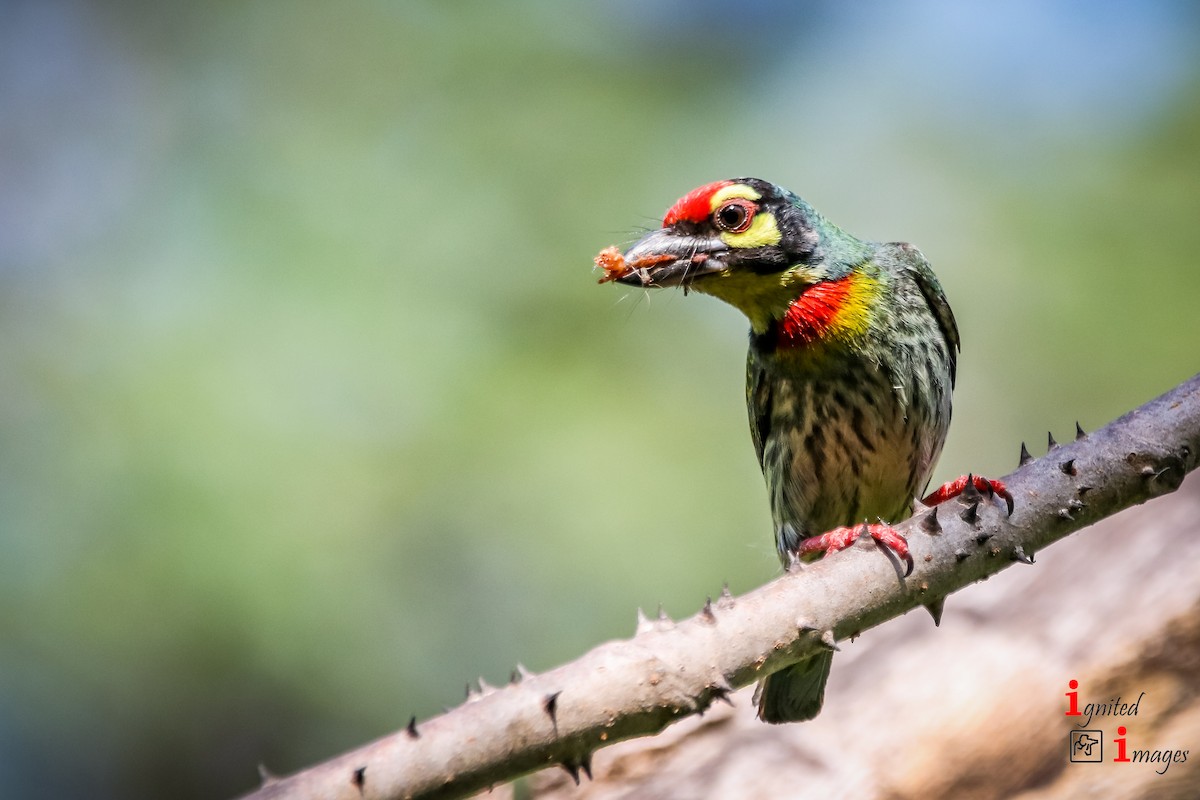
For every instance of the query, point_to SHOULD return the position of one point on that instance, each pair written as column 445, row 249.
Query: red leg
column 841, row 538
column 955, row 487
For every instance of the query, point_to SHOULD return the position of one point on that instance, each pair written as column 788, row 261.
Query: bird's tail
column 795, row 693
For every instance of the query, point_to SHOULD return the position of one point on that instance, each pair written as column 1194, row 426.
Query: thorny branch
column 669, row 670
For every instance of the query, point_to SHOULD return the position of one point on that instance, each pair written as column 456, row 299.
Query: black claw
column 1025, row 457
column 1079, row 432
column 360, row 778
column 971, row 513
column 585, row 763
column 1051, row 444
column 908, row 559
column 935, row 610
column 1008, row 501
column 929, row 522
column 1068, row 467
column 411, row 730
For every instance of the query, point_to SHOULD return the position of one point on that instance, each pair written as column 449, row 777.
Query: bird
column 851, row 366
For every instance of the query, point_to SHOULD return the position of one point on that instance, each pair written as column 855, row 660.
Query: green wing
column 914, row 263
column 758, row 405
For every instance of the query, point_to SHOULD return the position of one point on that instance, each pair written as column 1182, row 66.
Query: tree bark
column 671, row 670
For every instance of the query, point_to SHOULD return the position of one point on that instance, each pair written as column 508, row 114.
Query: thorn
column 520, row 673
column 471, row 693
column 662, row 614
column 961, row 555
column 485, row 687
column 828, row 641
column 550, row 706
column 572, row 769
column 411, row 730
column 1076, row 505
column 721, row 689
column 970, row 492
column 935, row 610
column 982, row 537
column 726, row 600
column 643, row 624
column 266, row 776
column 971, row 513
column 1068, row 467
column 1082, row 490
column 1079, row 432
column 1050, row 443
column 360, row 778
column 1019, row 555
column 707, row 612
column 1025, row 457
column 929, row 522
column 794, row 564
column 585, row 763
column 1152, row 473
column 1064, row 514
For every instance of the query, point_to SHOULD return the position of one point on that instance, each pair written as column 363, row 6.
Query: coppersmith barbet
column 853, row 352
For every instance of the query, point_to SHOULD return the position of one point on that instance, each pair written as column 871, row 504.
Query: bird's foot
column 841, row 538
column 956, row 487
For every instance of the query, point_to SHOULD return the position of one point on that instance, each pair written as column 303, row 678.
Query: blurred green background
column 311, row 410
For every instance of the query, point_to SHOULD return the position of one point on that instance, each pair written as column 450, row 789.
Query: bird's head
column 745, row 241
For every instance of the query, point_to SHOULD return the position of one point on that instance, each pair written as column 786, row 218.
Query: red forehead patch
column 696, row 205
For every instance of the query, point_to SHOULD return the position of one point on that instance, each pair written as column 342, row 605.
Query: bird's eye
column 735, row 216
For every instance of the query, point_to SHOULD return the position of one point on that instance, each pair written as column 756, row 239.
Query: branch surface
column 670, row 670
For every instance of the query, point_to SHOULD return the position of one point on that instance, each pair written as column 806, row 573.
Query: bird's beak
column 664, row 257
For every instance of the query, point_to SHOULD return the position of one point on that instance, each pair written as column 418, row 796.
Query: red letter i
column 1120, row 740
column 1073, row 696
